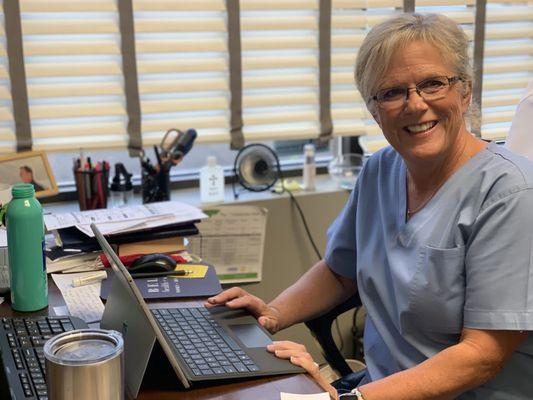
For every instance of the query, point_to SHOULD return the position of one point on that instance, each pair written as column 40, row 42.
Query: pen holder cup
column 92, row 187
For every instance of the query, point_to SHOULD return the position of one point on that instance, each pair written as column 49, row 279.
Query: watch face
column 348, row 396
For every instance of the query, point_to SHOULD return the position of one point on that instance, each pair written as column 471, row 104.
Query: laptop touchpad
column 251, row 335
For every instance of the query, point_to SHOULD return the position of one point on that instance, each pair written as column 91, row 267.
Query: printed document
column 232, row 239
column 126, row 219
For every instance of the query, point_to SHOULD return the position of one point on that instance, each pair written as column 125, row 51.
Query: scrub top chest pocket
column 437, row 292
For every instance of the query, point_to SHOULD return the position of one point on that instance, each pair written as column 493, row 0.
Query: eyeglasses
column 429, row 89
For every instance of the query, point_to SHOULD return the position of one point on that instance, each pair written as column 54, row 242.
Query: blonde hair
column 396, row 33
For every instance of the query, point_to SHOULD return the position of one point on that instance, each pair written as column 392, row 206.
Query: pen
column 88, row 279
column 178, row 272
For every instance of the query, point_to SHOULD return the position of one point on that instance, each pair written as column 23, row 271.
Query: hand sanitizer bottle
column 211, row 182
column 309, row 168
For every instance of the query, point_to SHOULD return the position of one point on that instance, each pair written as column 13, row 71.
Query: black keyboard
column 21, row 345
column 203, row 344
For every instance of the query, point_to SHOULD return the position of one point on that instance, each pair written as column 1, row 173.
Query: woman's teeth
column 421, row 127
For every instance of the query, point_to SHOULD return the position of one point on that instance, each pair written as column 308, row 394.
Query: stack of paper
column 126, row 219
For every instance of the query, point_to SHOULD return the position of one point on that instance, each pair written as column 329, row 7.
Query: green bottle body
column 25, row 241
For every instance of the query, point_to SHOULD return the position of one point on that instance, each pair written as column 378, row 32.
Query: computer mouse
column 153, row 263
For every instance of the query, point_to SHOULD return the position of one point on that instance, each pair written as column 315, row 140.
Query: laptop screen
column 127, row 283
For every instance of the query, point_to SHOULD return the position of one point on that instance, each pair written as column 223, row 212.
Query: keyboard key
column 218, row 371
column 229, row 369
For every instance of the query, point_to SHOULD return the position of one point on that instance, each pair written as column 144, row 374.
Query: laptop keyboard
column 23, row 349
column 202, row 343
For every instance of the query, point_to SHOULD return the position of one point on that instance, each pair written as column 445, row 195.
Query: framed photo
column 28, row 167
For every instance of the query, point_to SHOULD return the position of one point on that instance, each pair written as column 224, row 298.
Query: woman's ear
column 466, row 94
column 373, row 111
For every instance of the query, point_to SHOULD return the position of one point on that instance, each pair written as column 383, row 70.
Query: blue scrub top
column 464, row 261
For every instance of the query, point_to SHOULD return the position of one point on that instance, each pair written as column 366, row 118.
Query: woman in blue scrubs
column 436, row 238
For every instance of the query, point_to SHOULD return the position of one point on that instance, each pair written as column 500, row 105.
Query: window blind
column 508, row 63
column 280, row 69
column 350, row 23
column 182, row 61
column 74, row 75
column 75, row 80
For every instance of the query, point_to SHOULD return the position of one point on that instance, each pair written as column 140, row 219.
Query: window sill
column 324, row 184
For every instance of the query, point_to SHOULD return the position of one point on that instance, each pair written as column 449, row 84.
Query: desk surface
column 263, row 388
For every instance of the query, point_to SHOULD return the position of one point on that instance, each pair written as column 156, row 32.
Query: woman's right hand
column 267, row 316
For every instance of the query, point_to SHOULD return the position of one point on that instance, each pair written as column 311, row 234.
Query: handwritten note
column 84, row 302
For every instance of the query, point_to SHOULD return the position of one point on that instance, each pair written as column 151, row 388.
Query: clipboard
column 166, row 287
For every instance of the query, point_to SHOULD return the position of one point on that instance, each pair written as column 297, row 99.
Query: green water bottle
column 25, row 241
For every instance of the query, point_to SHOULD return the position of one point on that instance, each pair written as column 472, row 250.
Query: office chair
column 320, row 328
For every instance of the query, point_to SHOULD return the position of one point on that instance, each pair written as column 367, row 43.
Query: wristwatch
column 354, row 394
column 358, row 394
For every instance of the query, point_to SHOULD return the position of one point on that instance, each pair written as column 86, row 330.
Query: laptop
column 200, row 344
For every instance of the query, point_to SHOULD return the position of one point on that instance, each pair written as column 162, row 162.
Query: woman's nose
column 415, row 101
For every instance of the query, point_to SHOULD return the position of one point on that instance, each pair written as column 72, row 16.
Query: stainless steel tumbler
column 85, row 364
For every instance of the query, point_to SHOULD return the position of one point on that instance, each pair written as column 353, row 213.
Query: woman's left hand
column 298, row 355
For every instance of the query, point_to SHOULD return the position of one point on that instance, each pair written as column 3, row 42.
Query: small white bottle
column 309, row 168
column 212, row 182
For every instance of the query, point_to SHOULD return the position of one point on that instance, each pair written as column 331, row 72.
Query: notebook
column 200, row 344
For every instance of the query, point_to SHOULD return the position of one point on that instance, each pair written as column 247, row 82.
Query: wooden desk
column 263, row 388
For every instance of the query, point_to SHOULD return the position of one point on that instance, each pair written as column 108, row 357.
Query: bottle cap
column 22, row 190
column 211, row 161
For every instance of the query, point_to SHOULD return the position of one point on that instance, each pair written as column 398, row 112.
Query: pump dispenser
column 121, row 191
column 212, row 182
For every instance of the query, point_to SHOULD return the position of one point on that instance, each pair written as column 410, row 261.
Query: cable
column 293, row 199
column 315, row 248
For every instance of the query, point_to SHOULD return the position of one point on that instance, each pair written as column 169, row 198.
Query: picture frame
column 30, row 167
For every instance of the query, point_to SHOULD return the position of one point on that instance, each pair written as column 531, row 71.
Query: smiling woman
column 436, row 237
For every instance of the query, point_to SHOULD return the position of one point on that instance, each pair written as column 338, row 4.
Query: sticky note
column 198, row 270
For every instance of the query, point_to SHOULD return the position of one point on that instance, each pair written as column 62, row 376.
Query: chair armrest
column 320, row 327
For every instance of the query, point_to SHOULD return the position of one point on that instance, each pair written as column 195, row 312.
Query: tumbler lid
column 83, row 346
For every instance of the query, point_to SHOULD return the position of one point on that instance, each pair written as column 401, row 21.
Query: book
column 166, row 287
column 171, row 244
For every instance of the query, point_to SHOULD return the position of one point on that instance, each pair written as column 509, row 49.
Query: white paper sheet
column 61, row 310
column 126, row 219
column 232, row 239
column 84, row 302
column 3, row 237
column 316, row 396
